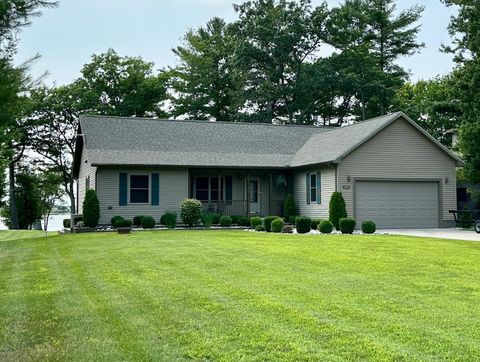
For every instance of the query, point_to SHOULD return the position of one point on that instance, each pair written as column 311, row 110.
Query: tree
column 50, row 187
column 432, row 104
column 464, row 29
column 14, row 15
column 204, row 83
column 27, row 197
column 52, row 127
column 121, row 86
column 372, row 33
column 274, row 39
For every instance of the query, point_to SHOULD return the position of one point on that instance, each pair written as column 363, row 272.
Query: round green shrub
column 119, row 223
column 303, row 224
column 315, row 223
column 255, row 221
column 235, row 218
column 169, row 219
column 225, row 221
column 148, row 222
column 347, row 225
column 325, row 227
column 137, row 220
column 268, row 222
column 91, row 209
column 216, row 218
column 337, row 209
column 287, row 229
column 190, row 211
column 114, row 219
column 260, row 227
column 368, row 227
column 207, row 219
column 289, row 207
column 277, row 225
column 244, row 221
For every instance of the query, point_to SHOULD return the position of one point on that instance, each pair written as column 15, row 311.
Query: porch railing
column 239, row 207
column 231, row 207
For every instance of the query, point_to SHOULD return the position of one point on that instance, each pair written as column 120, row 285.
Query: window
column 207, row 188
column 87, row 183
column 202, row 188
column 139, row 189
column 313, row 187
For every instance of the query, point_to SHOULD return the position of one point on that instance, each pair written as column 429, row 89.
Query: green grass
column 235, row 295
column 6, row 235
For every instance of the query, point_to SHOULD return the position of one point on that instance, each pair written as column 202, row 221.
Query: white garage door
column 397, row 204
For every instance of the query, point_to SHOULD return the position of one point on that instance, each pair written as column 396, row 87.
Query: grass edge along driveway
column 236, row 295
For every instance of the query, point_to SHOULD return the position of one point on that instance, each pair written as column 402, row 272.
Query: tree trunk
column 12, row 197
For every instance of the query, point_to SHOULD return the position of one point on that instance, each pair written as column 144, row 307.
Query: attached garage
column 398, row 204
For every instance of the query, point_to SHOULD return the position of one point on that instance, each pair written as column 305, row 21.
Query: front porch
column 240, row 192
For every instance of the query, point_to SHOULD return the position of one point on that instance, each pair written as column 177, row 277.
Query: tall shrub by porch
column 337, row 209
column 289, row 207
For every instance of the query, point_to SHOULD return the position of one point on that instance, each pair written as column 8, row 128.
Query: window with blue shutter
column 307, row 187
column 319, row 188
column 139, row 189
column 313, row 187
column 155, row 189
column 123, row 191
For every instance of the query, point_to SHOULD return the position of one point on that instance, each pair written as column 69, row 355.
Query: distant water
column 55, row 222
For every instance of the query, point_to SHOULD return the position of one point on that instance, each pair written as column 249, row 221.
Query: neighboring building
column 388, row 168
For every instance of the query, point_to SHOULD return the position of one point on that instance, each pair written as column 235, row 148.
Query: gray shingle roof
column 141, row 141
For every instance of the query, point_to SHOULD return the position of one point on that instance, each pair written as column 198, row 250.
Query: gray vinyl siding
column 314, row 210
column 86, row 170
column 173, row 190
column 400, row 152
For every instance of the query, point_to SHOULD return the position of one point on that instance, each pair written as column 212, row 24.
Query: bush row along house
column 388, row 168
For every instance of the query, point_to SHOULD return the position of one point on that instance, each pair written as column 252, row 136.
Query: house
column 388, row 168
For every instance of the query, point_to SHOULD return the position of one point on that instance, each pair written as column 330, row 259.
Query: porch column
column 219, row 191
column 270, row 194
column 248, row 193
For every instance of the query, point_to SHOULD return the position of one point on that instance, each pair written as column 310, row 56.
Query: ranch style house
column 388, row 169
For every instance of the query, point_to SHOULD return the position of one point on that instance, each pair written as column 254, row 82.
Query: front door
column 254, row 188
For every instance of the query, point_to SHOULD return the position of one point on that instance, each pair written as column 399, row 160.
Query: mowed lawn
column 236, row 295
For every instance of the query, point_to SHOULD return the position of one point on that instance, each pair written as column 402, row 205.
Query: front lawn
column 233, row 295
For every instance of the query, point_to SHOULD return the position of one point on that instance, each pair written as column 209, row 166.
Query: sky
column 68, row 35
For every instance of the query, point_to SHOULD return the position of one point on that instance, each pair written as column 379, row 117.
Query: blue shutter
column 307, row 185
column 155, row 189
column 123, row 192
column 228, row 188
column 319, row 188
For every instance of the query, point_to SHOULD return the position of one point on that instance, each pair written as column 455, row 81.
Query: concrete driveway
column 456, row 234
